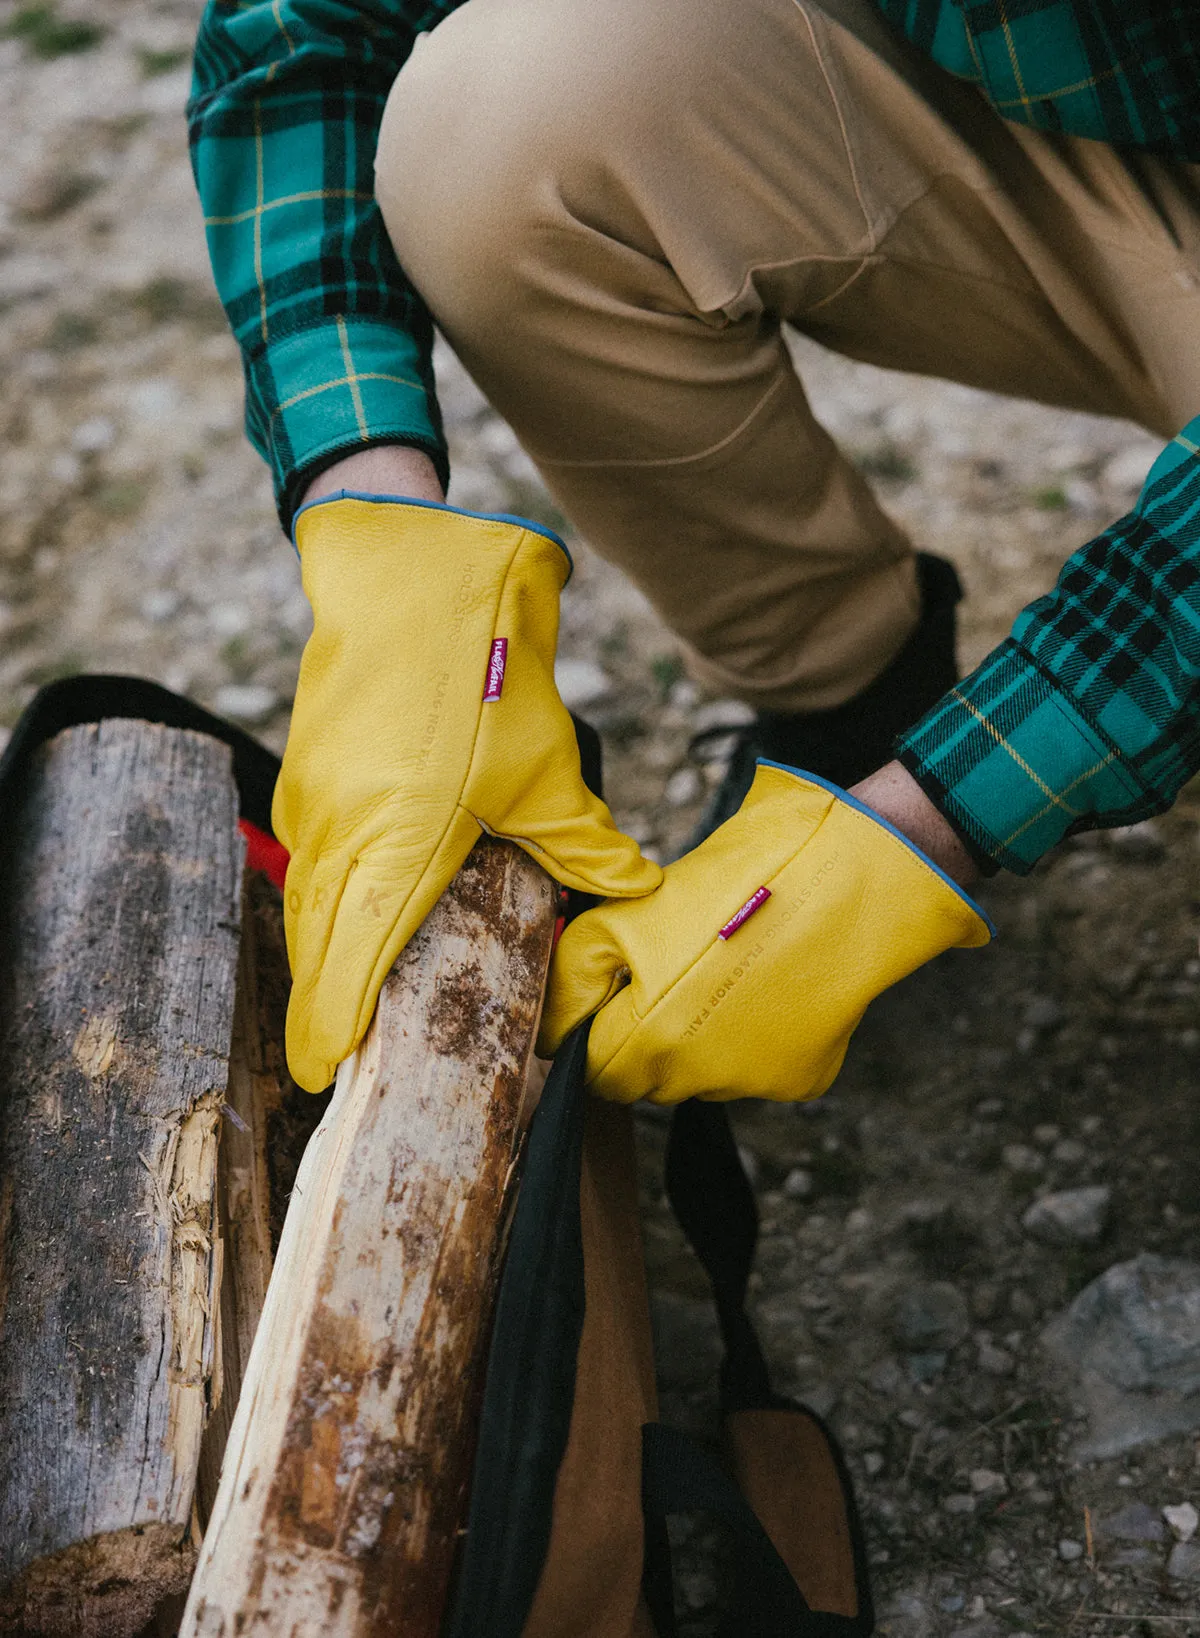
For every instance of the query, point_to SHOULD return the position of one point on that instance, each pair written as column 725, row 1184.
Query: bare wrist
column 894, row 794
column 384, row 469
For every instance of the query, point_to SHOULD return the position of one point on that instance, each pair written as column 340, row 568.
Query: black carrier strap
column 680, row 1476
column 711, row 1196
column 530, row 1390
column 91, row 698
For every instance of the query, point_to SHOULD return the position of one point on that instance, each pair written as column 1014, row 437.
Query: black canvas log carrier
column 547, row 1546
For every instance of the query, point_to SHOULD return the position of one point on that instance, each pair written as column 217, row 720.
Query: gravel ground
column 903, row 1285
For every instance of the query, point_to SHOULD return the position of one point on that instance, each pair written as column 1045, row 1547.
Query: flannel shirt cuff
column 1014, row 765
column 323, row 393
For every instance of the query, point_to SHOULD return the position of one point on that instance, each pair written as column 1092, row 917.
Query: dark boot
column 847, row 742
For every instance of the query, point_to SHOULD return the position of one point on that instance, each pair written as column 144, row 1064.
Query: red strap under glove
column 264, row 853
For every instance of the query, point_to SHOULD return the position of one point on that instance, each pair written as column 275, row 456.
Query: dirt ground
column 137, row 534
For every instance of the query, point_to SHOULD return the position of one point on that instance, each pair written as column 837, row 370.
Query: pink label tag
column 753, row 903
column 495, row 672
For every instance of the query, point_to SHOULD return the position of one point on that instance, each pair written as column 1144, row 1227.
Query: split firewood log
column 119, row 905
column 344, row 1476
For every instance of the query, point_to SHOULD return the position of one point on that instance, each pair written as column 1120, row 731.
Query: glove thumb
column 589, row 968
column 572, row 833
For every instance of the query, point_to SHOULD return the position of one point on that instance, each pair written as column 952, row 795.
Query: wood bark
column 118, row 956
column 345, row 1473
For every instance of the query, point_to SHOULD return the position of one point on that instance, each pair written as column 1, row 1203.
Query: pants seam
column 676, row 460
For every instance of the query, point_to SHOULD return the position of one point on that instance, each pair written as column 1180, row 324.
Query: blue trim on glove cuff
column 436, row 506
column 886, row 824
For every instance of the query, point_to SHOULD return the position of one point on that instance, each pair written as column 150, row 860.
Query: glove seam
column 696, row 960
column 643, row 1017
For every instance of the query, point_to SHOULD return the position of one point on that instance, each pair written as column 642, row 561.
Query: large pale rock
column 1129, row 1345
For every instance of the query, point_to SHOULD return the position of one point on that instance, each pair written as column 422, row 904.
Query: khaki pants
column 612, row 205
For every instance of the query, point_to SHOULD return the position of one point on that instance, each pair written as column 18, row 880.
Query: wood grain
column 118, row 955
column 345, row 1472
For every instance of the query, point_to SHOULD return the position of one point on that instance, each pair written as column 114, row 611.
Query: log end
column 106, row 1587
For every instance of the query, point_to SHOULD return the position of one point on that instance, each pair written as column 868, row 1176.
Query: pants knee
column 468, row 167
column 527, row 143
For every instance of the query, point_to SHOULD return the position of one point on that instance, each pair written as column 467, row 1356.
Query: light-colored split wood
column 346, row 1467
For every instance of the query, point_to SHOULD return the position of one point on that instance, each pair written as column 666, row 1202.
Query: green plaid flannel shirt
column 1087, row 716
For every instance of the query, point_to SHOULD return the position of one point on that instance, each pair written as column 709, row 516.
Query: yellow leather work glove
column 749, row 969
column 425, row 714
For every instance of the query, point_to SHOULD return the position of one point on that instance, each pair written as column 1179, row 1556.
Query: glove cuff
column 845, row 797
column 431, row 506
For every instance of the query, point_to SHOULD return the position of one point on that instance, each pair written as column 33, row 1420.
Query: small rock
column 1069, row 1551
column 886, row 1378
column 997, row 1560
column 960, row 1503
column 93, row 437
column 1137, row 1522
column 1045, row 1135
column 1140, row 844
column 248, row 702
column 907, row 1606
column 1183, row 1520
column 722, row 714
column 1184, row 1561
column 580, row 682
column 995, row 1361
column 821, row 1396
column 153, row 398
column 1129, row 1558
column 977, row 1608
column 1129, row 468
column 984, row 1481
column 1019, row 1157
column 159, row 605
column 66, row 469
column 930, row 1317
column 798, row 1184
column 683, row 788
column 229, row 619
column 684, row 694
column 52, row 192
column 1069, row 1152
column 1069, row 1217
column 873, row 1462
column 924, row 1367
column 951, row 1603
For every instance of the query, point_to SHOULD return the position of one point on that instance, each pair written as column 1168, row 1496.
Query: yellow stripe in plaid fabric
column 1122, row 71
